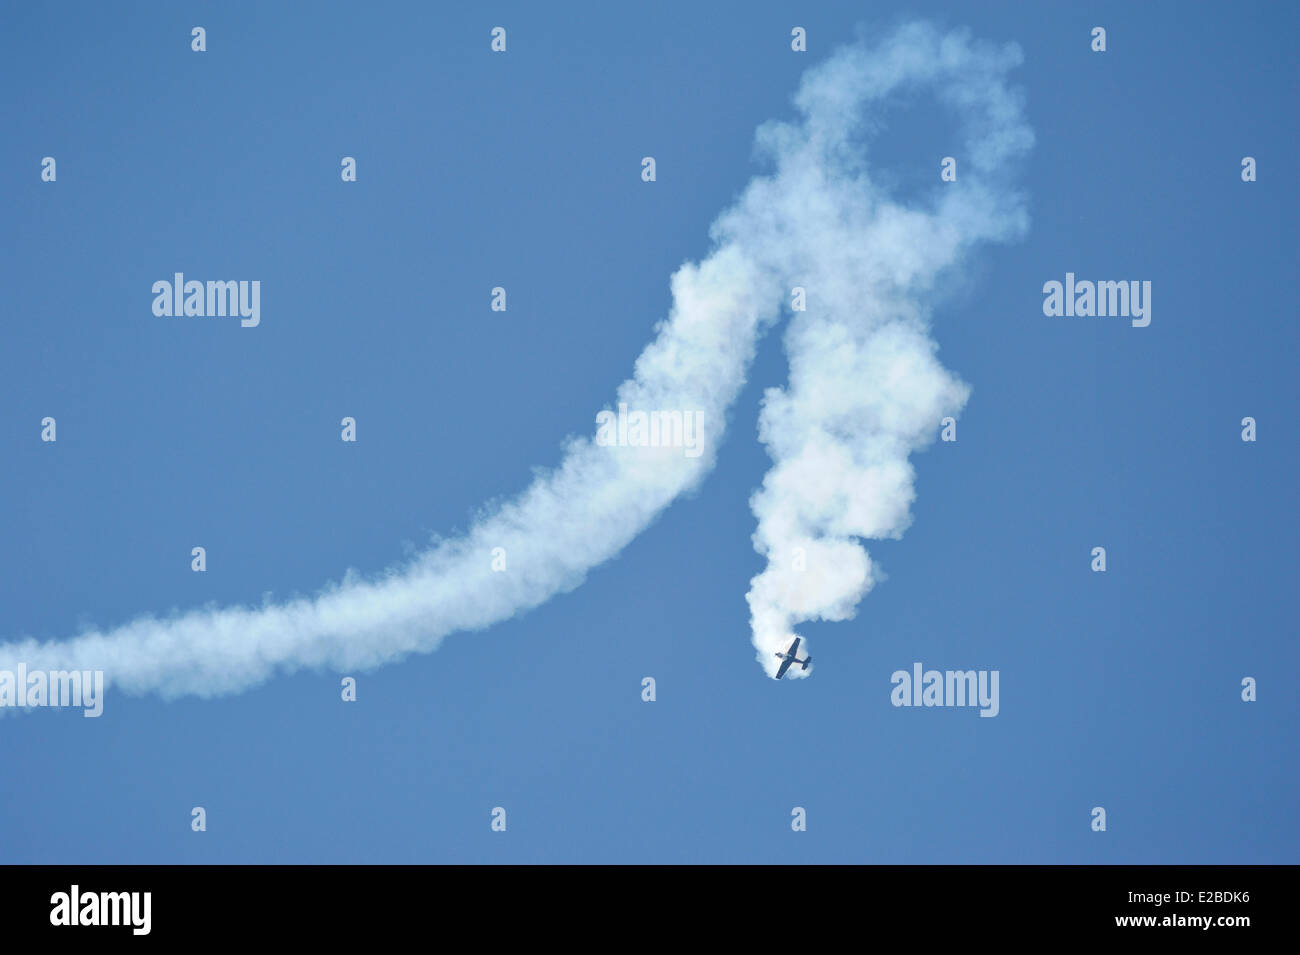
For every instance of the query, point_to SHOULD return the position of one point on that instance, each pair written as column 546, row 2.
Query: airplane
column 791, row 656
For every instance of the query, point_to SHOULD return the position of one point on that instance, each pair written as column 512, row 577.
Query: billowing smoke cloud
column 865, row 386
column 865, row 390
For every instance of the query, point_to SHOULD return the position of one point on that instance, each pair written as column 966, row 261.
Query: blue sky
column 523, row 170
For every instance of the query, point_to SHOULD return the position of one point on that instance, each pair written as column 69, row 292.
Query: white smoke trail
column 864, row 390
column 865, row 387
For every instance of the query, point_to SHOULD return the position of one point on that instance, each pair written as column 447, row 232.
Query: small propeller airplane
column 791, row 656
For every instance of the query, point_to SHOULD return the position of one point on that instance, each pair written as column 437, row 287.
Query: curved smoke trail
column 865, row 387
column 865, row 390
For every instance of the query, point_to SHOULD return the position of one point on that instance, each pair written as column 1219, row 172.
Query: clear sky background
column 522, row 170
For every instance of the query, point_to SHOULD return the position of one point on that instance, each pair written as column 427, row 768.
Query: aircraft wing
column 794, row 647
column 785, row 665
